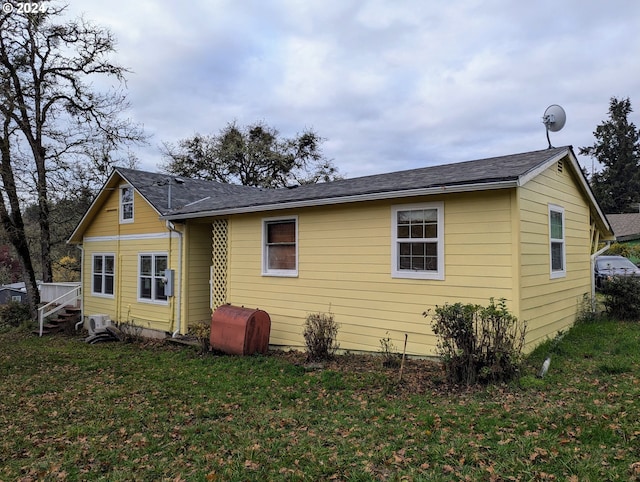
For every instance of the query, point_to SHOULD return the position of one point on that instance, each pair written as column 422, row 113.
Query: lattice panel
column 219, row 262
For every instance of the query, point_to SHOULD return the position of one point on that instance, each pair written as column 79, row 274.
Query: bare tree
column 53, row 117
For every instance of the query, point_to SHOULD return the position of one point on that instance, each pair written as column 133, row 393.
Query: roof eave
column 378, row 196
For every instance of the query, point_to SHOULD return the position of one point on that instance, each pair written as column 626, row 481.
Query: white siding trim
column 101, row 294
column 554, row 274
column 287, row 273
column 153, row 300
column 120, row 210
column 130, row 237
column 395, row 271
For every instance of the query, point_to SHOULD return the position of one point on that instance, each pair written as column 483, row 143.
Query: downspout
column 81, row 322
column 593, row 275
column 178, row 288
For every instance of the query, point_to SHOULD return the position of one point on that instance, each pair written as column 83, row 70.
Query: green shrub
column 320, row 333
column 478, row 344
column 622, row 298
column 14, row 314
column 588, row 310
column 624, row 249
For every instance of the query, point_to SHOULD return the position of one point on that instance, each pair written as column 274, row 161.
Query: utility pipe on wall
column 81, row 322
column 178, row 288
column 593, row 275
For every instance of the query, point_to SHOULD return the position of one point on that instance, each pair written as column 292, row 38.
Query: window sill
column 418, row 275
column 103, row 295
column 281, row 274
column 153, row 302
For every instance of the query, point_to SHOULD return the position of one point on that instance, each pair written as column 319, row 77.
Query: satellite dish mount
column 553, row 119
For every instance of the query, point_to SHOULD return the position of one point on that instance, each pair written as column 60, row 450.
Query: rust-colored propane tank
column 240, row 331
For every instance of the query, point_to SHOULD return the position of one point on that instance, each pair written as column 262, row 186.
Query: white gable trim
column 525, row 178
column 584, row 185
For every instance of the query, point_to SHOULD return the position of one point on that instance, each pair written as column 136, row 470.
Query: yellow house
column 375, row 251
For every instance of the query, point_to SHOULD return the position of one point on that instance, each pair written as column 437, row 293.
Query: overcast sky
column 390, row 85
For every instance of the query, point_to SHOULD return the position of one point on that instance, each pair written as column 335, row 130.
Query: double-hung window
column 418, row 241
column 557, row 242
column 103, row 274
column 280, row 247
column 151, row 277
column 126, row 204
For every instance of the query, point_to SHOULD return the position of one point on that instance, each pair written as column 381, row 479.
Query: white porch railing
column 67, row 294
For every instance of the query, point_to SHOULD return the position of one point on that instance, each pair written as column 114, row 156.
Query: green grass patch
column 71, row 411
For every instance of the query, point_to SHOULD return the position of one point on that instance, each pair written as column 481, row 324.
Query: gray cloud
column 390, row 85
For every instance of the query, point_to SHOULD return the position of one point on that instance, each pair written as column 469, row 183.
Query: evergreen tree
column 617, row 148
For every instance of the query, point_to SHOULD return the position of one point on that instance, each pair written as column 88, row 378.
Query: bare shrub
column 320, row 333
column 390, row 356
column 201, row 330
column 131, row 332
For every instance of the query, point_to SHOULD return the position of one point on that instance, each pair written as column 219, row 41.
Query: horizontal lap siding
column 124, row 245
column 147, row 315
column 157, row 316
column 97, row 304
column 549, row 305
column 107, row 220
column 345, row 268
column 198, row 261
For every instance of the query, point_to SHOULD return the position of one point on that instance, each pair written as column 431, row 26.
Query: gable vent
column 560, row 167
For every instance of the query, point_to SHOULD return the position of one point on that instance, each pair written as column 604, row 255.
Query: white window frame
column 16, row 298
column 291, row 273
column 121, row 204
column 396, row 272
column 103, row 274
column 557, row 273
column 154, row 276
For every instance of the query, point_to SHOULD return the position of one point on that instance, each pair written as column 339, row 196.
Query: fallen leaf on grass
column 447, row 469
column 537, row 452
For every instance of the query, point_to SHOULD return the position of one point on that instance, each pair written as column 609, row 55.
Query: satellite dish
column 554, row 119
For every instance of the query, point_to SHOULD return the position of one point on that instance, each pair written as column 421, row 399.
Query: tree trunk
column 14, row 225
column 43, row 220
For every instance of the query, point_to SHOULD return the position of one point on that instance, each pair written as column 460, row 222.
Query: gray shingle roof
column 185, row 193
column 625, row 226
column 215, row 198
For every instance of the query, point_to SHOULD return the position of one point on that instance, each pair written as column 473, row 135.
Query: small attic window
column 560, row 167
column 126, row 204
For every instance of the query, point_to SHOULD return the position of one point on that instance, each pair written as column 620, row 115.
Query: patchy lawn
column 71, row 411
